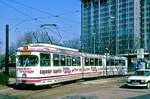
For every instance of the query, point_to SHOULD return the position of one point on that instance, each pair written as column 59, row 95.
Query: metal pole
column 94, row 43
column 93, row 38
column 109, row 20
column 7, row 51
column 107, row 50
column 106, row 64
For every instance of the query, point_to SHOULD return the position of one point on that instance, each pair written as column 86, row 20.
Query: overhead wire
column 42, row 11
column 67, row 32
column 4, row 3
column 66, row 13
column 12, row 19
column 33, row 18
column 37, row 19
column 18, row 11
column 57, row 16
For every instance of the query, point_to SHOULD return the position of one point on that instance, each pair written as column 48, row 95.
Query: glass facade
column 145, row 24
column 117, row 26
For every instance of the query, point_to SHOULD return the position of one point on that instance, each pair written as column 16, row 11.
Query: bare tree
column 2, row 56
column 33, row 37
column 28, row 38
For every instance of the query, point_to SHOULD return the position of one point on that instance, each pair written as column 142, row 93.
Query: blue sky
column 27, row 15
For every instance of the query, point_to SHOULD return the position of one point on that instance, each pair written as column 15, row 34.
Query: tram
column 42, row 64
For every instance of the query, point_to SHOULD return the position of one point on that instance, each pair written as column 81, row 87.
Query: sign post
column 140, row 58
column 140, row 53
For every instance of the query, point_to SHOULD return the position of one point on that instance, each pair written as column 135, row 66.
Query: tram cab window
column 62, row 60
column 27, row 60
column 87, row 62
column 56, row 60
column 91, row 61
column 68, row 60
column 45, row 59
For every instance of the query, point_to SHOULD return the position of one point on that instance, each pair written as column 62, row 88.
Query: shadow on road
column 40, row 87
column 146, row 96
column 131, row 87
column 29, row 87
column 79, row 97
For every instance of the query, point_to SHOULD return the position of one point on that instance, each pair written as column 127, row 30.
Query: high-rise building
column 145, row 24
column 115, row 26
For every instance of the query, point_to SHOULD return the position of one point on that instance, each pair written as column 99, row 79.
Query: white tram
column 41, row 64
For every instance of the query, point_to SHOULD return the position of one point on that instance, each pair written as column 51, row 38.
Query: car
column 140, row 78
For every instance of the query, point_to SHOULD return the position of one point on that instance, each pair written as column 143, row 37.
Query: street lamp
column 110, row 29
column 107, row 52
column 93, row 35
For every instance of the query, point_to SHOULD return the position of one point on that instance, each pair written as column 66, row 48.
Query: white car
column 140, row 78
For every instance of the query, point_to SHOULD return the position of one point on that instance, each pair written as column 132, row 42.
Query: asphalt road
column 110, row 88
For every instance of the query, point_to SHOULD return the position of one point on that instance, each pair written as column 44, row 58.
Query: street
column 110, row 88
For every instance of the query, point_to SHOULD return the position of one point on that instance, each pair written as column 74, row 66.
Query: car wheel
column 148, row 85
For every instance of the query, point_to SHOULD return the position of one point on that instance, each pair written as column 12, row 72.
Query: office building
column 115, row 26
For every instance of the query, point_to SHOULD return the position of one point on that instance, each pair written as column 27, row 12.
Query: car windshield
column 27, row 60
column 142, row 73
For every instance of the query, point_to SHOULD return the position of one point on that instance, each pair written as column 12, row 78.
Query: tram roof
column 50, row 46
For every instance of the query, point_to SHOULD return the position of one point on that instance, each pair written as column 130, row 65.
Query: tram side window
column 78, row 61
column 121, row 62
column 87, row 61
column 45, row 59
column 91, row 62
column 96, row 61
column 68, row 61
column 62, row 60
column 56, row 60
column 112, row 62
column 116, row 62
column 74, row 61
column 108, row 62
column 100, row 62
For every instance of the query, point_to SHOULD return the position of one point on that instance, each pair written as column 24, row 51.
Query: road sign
column 140, row 53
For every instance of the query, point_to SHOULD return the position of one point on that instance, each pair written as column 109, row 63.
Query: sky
column 28, row 15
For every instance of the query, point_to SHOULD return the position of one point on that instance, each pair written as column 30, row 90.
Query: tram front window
column 27, row 60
